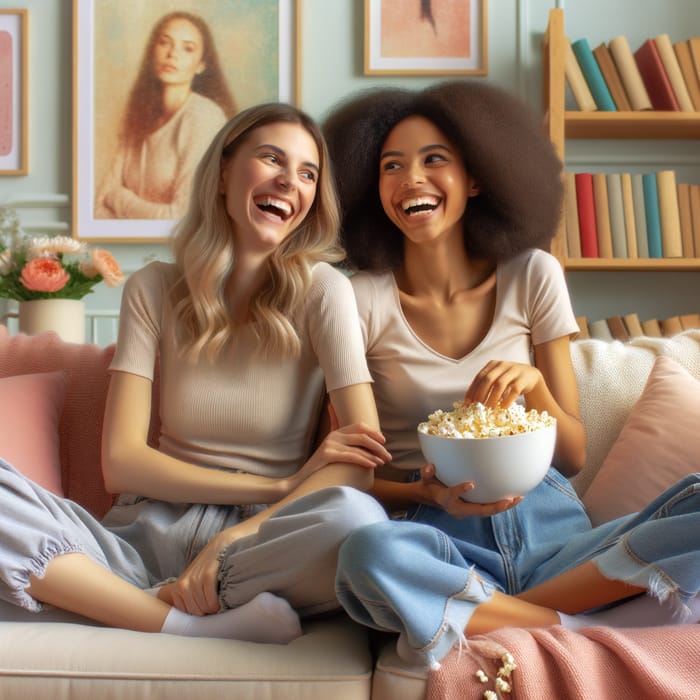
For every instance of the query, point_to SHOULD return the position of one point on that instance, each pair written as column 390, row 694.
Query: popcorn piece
column 476, row 421
column 482, row 676
column 490, row 695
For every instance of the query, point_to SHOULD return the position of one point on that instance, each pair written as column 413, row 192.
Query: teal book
column 653, row 218
column 594, row 76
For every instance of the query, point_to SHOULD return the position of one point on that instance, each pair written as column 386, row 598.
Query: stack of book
column 631, row 215
column 626, row 327
column 658, row 75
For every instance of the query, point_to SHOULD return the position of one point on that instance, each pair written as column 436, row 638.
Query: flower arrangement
column 50, row 267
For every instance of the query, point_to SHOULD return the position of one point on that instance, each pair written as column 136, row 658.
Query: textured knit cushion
column 659, row 444
column 30, row 412
column 611, row 377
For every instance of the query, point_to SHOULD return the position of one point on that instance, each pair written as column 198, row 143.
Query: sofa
column 641, row 405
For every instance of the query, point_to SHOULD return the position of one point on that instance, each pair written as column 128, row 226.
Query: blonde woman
column 178, row 102
column 234, row 512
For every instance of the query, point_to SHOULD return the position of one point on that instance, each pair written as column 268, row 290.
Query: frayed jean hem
column 458, row 611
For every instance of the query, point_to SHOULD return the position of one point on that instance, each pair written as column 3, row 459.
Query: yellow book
column 576, row 81
column 651, row 327
column 669, row 214
column 629, row 73
column 673, row 71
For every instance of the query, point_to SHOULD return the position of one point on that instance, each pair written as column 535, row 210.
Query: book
column 576, row 81
column 629, row 73
column 694, row 44
column 667, row 189
column 689, row 321
column 673, row 71
column 586, row 215
column 690, row 75
column 655, row 78
column 652, row 328
column 695, row 215
column 612, row 77
column 640, row 221
column 618, row 329
column 602, row 215
column 628, row 211
column 670, row 326
column 573, row 232
column 686, row 219
column 633, row 325
column 617, row 215
column 594, row 78
column 582, row 328
column 600, row 330
column 651, row 210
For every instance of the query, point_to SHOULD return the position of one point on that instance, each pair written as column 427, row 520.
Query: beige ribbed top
column 245, row 411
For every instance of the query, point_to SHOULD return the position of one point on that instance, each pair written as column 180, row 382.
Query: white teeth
column 284, row 207
column 422, row 202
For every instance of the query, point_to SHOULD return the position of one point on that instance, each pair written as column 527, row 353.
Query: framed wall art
column 153, row 83
column 13, row 92
column 426, row 37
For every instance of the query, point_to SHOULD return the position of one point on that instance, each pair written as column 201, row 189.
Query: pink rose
column 103, row 263
column 44, row 275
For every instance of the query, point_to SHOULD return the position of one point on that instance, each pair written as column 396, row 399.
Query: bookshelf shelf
column 563, row 124
column 620, row 264
column 632, row 125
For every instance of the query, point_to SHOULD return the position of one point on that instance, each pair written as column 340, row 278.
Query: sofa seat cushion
column 394, row 679
column 80, row 662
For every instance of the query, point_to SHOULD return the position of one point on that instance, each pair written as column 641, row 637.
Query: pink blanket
column 597, row 663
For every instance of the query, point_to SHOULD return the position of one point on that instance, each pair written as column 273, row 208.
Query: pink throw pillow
column 30, row 412
column 658, row 445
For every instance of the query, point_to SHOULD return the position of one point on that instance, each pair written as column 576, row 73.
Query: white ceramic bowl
column 500, row 467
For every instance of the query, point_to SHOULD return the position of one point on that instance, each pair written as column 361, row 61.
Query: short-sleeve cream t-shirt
column 412, row 380
column 245, row 411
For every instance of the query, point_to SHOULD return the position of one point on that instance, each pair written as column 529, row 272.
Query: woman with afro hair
column 450, row 198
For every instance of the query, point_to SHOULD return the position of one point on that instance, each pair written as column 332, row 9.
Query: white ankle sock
column 642, row 611
column 267, row 618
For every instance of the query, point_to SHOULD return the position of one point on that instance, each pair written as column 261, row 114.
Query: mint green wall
column 331, row 67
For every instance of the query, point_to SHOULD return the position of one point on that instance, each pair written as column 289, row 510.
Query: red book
column 586, row 215
column 655, row 79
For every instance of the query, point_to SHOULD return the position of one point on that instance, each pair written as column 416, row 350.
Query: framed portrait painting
column 13, row 92
column 153, row 84
column 426, row 37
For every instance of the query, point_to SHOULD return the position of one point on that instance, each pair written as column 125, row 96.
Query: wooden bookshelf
column 565, row 124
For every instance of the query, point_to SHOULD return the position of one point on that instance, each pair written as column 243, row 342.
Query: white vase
column 66, row 317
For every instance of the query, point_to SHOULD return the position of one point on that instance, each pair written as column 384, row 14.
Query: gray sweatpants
column 293, row 554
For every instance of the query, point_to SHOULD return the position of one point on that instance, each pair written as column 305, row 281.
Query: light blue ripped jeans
column 424, row 576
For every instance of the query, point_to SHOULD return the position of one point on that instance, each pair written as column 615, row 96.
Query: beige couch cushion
column 65, row 661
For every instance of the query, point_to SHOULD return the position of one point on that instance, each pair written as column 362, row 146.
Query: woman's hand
column 196, row 591
column 357, row 444
column 436, row 494
column 501, row 382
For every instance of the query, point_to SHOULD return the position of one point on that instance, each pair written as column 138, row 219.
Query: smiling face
column 269, row 184
column 423, row 184
column 178, row 51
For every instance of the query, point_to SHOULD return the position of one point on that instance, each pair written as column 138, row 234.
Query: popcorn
column 478, row 421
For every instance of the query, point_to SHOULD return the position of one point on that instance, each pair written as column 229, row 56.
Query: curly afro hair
column 502, row 145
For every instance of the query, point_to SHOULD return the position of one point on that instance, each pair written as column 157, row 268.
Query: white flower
column 53, row 245
column 6, row 262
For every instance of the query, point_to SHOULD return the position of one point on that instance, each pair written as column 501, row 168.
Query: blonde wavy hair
column 204, row 250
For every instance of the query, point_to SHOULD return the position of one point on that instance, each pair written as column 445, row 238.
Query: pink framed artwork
column 426, row 37
column 13, row 92
column 134, row 149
